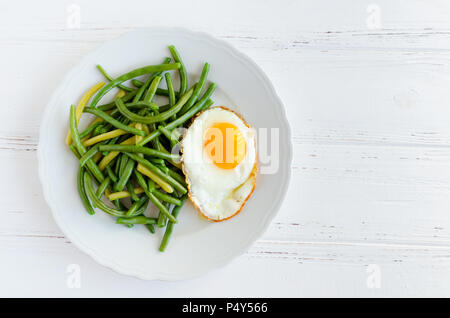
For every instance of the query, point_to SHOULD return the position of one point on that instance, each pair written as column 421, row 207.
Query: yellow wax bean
column 175, row 164
column 164, row 185
column 86, row 97
column 109, row 135
column 121, row 93
column 138, row 126
column 112, row 154
column 97, row 157
column 123, row 194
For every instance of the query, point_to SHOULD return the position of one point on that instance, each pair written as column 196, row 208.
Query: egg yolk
column 225, row 145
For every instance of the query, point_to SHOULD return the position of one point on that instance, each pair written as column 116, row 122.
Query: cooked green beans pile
column 125, row 155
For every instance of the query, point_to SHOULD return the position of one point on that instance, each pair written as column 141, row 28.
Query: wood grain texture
column 369, row 111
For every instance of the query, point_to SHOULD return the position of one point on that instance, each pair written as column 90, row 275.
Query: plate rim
column 155, row 275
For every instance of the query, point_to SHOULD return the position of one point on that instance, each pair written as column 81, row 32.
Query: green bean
column 169, row 83
column 163, row 168
column 177, row 177
column 137, row 82
column 198, row 89
column 160, row 206
column 151, row 185
column 81, row 149
column 82, row 191
column 145, row 110
column 152, row 89
column 122, row 164
column 125, row 121
column 182, row 119
column 165, row 92
column 156, row 161
column 161, row 222
column 191, row 112
column 169, row 227
column 119, row 204
column 208, row 104
column 125, row 176
column 99, row 203
column 151, row 136
column 88, row 155
column 111, row 174
column 117, row 166
column 100, row 129
column 142, row 89
column 148, row 82
column 165, row 197
column 102, row 187
column 136, row 205
column 182, row 69
column 111, row 105
column 151, row 196
column 151, row 228
column 159, row 91
column 88, row 130
column 142, row 104
column 74, row 151
column 141, row 208
column 111, row 141
column 169, row 135
column 174, row 183
column 138, row 149
column 156, row 142
column 153, row 119
column 164, row 108
column 136, row 220
column 127, row 76
column 114, row 122
column 109, row 78
column 140, row 179
column 134, row 197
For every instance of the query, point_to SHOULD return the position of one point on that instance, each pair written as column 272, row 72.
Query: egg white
column 217, row 193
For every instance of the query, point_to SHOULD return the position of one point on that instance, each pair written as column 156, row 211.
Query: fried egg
column 219, row 162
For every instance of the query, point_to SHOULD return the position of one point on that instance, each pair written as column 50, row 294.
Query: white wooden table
column 367, row 90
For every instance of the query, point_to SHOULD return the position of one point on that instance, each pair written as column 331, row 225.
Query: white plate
column 196, row 245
